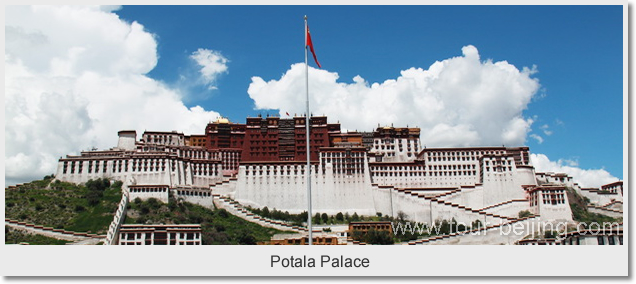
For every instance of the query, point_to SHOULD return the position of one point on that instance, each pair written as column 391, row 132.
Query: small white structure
column 594, row 236
column 160, row 235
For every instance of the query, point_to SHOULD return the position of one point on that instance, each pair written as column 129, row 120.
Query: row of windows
column 138, row 165
column 552, row 198
column 462, row 153
column 418, row 173
column 501, row 162
column 340, row 154
column 452, row 167
column 443, row 159
column 148, row 189
column 499, row 169
column 170, row 236
column 194, row 193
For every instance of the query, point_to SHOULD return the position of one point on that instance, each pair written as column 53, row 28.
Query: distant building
column 298, row 239
column 594, row 236
column 366, row 226
column 160, row 235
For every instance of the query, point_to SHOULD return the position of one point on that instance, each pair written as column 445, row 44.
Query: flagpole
column 307, row 118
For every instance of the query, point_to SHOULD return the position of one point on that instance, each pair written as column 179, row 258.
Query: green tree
column 339, row 217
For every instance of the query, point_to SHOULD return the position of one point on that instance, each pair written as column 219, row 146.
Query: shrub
column 153, row 203
column 373, row 237
column 550, row 235
column 245, row 238
column 117, row 184
column 524, row 213
column 223, row 213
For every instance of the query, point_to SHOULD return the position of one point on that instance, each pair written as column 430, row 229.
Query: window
column 601, row 240
column 610, row 240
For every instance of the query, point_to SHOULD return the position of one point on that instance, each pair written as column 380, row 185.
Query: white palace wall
column 145, row 192
column 284, row 187
column 172, row 172
column 469, row 196
column 510, row 209
column 417, row 209
column 198, row 196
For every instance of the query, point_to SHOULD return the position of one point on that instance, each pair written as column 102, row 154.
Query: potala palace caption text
column 323, row 261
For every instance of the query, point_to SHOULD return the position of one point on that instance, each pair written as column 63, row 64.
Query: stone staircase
column 453, row 205
column 503, row 204
column 606, row 209
column 610, row 204
column 236, row 209
column 429, row 240
column 60, row 234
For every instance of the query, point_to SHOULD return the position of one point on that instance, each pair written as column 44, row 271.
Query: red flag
column 311, row 47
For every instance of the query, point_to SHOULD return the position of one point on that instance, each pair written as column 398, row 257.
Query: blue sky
column 577, row 51
column 574, row 116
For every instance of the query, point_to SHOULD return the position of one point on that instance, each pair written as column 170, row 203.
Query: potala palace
column 263, row 163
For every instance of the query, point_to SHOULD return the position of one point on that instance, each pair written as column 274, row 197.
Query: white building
column 489, row 184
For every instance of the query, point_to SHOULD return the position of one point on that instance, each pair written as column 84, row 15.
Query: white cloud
column 212, row 64
column 461, row 101
column 74, row 76
column 537, row 137
column 584, row 177
column 546, row 129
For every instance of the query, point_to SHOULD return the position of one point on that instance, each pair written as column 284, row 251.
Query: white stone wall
column 196, row 196
column 147, row 192
column 600, row 198
column 122, row 169
column 501, row 181
column 118, row 219
column 469, row 196
column 276, row 188
column 127, row 141
column 611, row 213
column 510, row 209
column 417, row 209
column 555, row 212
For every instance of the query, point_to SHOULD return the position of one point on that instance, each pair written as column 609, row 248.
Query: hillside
column 219, row 227
column 80, row 208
